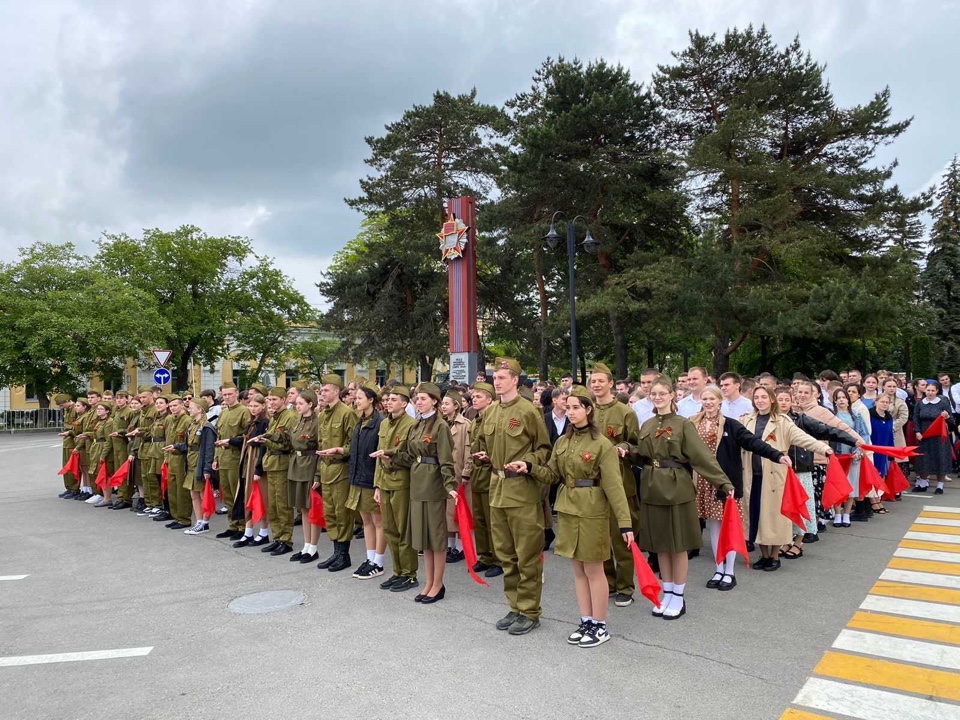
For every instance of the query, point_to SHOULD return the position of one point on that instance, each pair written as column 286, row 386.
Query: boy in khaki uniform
column 276, row 462
column 334, row 432
column 483, row 396
column 177, row 425
column 120, row 423
column 71, row 483
column 232, row 423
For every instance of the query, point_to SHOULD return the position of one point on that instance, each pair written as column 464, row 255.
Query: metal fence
column 13, row 421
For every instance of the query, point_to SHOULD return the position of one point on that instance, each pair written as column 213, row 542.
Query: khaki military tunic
column 101, row 451
column 230, row 425
column 393, row 480
column 303, row 470
column 181, row 504
column 480, row 491
column 70, row 481
column 121, row 423
column 335, row 430
column 276, row 462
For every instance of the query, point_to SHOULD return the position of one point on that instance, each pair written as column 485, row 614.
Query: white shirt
column 901, row 393
column 734, row 410
column 689, row 406
column 411, row 411
column 560, row 423
column 644, row 410
column 213, row 414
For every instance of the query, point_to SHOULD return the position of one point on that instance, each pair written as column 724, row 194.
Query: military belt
column 508, row 474
column 279, row 452
column 666, row 464
column 99, row 439
column 154, row 440
column 428, row 459
column 337, row 461
column 305, row 453
column 586, row 483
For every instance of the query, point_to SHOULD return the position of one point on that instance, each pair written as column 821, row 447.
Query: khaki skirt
column 361, row 500
column 298, row 494
column 583, row 539
column 669, row 528
column 191, row 483
column 428, row 525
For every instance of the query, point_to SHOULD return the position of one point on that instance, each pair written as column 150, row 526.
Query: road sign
column 161, row 356
column 161, row 376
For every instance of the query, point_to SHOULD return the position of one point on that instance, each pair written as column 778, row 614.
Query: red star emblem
column 453, row 238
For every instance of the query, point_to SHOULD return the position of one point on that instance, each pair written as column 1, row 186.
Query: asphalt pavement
column 103, row 580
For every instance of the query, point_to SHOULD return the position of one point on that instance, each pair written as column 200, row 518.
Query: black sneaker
column 162, row 517
column 363, row 566
column 811, row 538
column 369, row 572
column 623, row 600
column 576, row 635
column 389, row 582
column 522, row 625
column 493, row 571
column 479, row 566
column 938, row 491
column 454, row 555
column 595, row 635
column 140, row 506
column 404, row 584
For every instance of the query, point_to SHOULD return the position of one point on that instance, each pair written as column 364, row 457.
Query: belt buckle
column 656, row 463
column 418, row 457
column 299, row 453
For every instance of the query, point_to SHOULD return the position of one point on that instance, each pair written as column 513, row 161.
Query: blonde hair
column 713, row 390
column 665, row 381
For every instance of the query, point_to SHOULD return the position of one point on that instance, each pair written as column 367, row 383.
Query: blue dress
column 881, row 433
column 854, row 420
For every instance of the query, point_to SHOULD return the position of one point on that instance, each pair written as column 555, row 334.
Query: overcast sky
column 248, row 116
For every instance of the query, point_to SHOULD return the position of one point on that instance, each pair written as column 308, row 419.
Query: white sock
column 922, row 482
column 313, row 550
column 676, row 600
column 846, row 518
column 248, row 532
column 585, row 619
column 264, row 532
column 370, row 555
column 939, row 485
column 377, row 559
column 306, row 550
column 667, row 589
column 452, row 543
column 714, row 527
column 730, row 563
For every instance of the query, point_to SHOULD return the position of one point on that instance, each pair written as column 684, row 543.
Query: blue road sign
column 161, row 376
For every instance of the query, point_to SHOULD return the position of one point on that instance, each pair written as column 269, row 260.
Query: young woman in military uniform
column 201, row 435
column 587, row 465
column 429, row 455
column 450, row 408
column 153, row 450
column 251, row 470
column 669, row 526
column 101, row 453
column 303, row 473
column 363, row 468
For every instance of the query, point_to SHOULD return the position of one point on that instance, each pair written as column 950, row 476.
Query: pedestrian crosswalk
column 899, row 656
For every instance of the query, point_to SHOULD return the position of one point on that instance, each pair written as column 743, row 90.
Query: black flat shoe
column 281, row 549
column 846, row 524
column 761, row 563
column 390, row 582
column 296, row 556
column 938, row 491
column 177, row 526
column 308, row 558
column 260, row 540
column 811, row 538
column 271, row 547
column 494, row 571
column 237, row 535
column 427, row 600
column 917, row 489
column 419, row 598
column 225, row 534
column 244, row 541
column 714, row 582
column 772, row 565
column 751, row 546
column 163, row 517
column 728, row 584
column 479, row 567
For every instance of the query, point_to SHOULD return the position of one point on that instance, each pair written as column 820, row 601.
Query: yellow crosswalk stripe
column 792, row 714
column 906, row 627
column 916, row 592
column 939, row 529
column 941, row 515
column 897, row 676
column 924, row 566
column 926, row 545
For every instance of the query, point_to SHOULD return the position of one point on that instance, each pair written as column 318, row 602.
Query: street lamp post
column 552, row 238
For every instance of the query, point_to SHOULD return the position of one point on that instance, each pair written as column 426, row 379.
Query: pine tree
column 941, row 276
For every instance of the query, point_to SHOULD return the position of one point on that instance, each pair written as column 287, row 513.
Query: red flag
column 316, row 509
column 72, row 466
column 870, row 478
column 896, row 482
column 794, row 503
column 846, row 460
column 465, row 525
column 116, row 480
column 646, row 580
column 937, row 427
column 208, row 503
column 255, row 504
column 836, row 487
column 900, row 453
column 101, row 481
column 164, row 479
column 731, row 532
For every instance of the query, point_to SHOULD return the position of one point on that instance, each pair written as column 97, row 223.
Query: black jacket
column 803, row 459
column 366, row 437
column 551, row 426
column 734, row 437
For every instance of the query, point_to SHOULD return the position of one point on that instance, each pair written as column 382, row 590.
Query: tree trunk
column 619, row 346
column 581, row 368
column 426, row 368
column 721, row 359
column 764, row 353
column 184, row 368
column 649, row 356
column 42, row 391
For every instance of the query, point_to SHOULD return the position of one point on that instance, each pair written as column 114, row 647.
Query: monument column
column 459, row 248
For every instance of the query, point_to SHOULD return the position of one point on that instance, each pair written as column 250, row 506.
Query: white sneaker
column 594, row 635
column 94, row 500
column 154, row 511
column 199, row 529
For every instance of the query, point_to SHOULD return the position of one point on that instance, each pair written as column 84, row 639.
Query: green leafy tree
column 941, row 276
column 196, row 282
column 314, row 352
column 63, row 319
column 790, row 181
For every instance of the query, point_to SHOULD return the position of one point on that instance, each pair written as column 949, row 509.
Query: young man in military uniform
column 144, row 462
column 392, row 489
column 153, row 443
column 276, row 461
column 335, row 431
column 514, row 431
column 71, row 483
column 181, row 504
column 618, row 423
column 120, row 423
column 231, row 425
column 482, row 397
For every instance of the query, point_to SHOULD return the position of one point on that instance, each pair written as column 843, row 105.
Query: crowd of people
column 596, row 469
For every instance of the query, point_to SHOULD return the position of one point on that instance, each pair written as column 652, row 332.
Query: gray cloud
column 249, row 117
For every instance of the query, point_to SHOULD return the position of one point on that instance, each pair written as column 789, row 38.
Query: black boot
column 325, row 564
column 342, row 560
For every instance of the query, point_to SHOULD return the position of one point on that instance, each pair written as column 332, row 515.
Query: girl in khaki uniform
column 588, row 467
column 450, row 407
column 303, row 473
column 101, row 452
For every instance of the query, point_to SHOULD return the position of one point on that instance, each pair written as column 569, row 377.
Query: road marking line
column 921, row 545
column 13, row 577
column 928, row 566
column 792, row 714
column 906, row 627
column 16, row 661
column 896, row 676
column 944, row 515
column 943, row 509
column 925, row 519
column 932, row 537
column 901, row 649
column 869, row 704
column 941, row 529
column 921, row 578
column 916, row 592
column 912, row 608
column 927, row 555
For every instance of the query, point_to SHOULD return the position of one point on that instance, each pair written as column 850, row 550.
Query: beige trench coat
column 781, row 433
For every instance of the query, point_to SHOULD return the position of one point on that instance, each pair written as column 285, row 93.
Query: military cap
column 84, row 400
column 277, row 391
column 400, row 390
column 332, row 379
column 122, row 393
column 202, row 404
column 170, row 397
column 144, row 388
column 429, row 388
column 580, row 391
column 487, row 388
column 506, row 363
column 526, row 393
column 228, row 386
column 299, row 384
column 371, row 388
column 455, row 396
column 601, row 368
column 360, row 380
column 259, row 387
column 308, row 394
column 61, row 398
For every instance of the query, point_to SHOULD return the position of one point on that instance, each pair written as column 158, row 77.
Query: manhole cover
column 266, row 602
